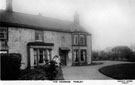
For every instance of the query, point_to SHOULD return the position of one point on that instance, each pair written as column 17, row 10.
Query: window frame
column 83, row 50
column 76, row 56
column 84, row 40
column 79, row 38
column 75, row 38
column 4, row 40
column 40, row 35
column 5, row 33
column 1, row 51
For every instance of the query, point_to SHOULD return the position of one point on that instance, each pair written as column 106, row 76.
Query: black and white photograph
column 67, row 40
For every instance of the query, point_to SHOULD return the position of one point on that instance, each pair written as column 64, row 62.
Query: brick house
column 38, row 38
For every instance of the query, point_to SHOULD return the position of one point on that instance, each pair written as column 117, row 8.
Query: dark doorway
column 63, row 56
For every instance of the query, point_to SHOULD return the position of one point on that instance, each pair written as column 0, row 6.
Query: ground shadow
column 92, row 64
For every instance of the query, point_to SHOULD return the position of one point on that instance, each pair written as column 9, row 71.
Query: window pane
column 82, row 58
column 3, row 45
column 3, row 52
column 76, row 55
column 35, row 56
column 83, row 55
column 41, row 56
column 3, row 33
column 75, row 39
column 39, row 35
column 82, row 40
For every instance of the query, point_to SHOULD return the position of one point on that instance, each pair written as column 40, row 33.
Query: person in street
column 56, row 58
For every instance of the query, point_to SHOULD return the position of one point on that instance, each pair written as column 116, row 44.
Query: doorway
column 63, row 57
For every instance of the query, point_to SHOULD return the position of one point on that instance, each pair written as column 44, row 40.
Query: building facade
column 38, row 39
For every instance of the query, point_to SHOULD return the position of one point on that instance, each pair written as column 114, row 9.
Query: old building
column 39, row 38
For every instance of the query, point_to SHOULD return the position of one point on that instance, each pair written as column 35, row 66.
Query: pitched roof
column 37, row 21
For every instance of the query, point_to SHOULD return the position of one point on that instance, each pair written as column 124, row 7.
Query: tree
column 122, row 52
column 94, row 55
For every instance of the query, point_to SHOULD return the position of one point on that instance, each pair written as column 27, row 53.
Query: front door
column 63, row 55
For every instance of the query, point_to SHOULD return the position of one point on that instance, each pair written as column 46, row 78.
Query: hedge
column 10, row 66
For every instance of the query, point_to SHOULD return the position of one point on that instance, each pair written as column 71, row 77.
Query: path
column 87, row 72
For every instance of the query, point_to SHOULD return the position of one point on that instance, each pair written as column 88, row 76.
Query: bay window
column 79, row 39
column 82, row 40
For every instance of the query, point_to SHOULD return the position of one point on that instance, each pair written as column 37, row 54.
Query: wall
column 19, row 37
column 88, row 48
column 60, row 40
column 89, row 53
column 17, row 42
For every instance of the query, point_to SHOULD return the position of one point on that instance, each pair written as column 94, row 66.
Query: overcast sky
column 111, row 22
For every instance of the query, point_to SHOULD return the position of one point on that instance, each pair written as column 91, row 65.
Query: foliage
column 51, row 70
column 132, row 58
column 121, row 53
column 32, row 74
column 10, row 66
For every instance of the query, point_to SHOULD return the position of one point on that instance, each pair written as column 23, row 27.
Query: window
column 39, row 35
column 45, row 54
column 75, row 41
column 63, row 38
column 41, row 60
column 76, row 55
column 3, row 51
column 82, row 40
column 83, row 55
column 3, row 33
column 79, row 39
column 3, row 40
column 3, row 45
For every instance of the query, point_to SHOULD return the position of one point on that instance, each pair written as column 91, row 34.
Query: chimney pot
column 76, row 18
column 9, row 6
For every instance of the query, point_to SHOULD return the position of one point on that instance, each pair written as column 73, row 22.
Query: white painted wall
column 19, row 38
column 89, row 48
column 17, row 42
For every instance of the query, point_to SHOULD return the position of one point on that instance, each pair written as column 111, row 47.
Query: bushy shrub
column 132, row 57
column 10, row 66
column 51, row 71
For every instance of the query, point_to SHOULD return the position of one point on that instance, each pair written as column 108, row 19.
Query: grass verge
column 119, row 71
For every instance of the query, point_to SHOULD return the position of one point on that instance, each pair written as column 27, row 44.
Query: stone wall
column 89, row 48
column 17, row 42
column 60, row 40
column 19, row 38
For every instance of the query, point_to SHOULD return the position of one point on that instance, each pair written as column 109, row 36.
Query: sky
column 111, row 22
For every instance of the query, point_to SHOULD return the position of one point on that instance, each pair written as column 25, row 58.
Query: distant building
column 40, row 38
column 132, row 47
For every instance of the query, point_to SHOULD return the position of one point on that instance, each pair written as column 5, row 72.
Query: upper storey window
column 39, row 36
column 75, row 40
column 82, row 40
column 3, row 33
column 3, row 40
column 79, row 39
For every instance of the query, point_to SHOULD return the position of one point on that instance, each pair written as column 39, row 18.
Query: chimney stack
column 9, row 6
column 76, row 19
